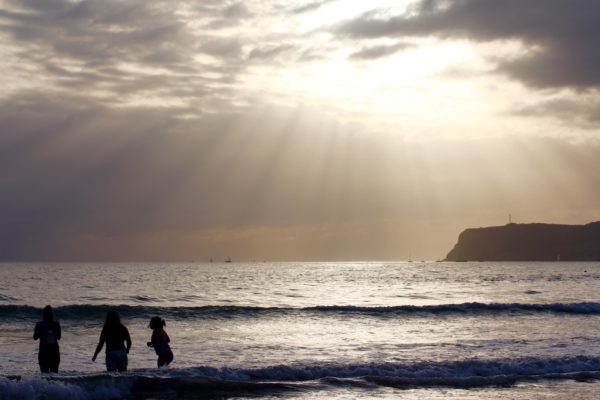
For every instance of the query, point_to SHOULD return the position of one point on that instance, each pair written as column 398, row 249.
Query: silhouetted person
column 116, row 336
column 160, row 341
column 48, row 332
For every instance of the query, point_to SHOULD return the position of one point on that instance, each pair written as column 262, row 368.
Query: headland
column 529, row 242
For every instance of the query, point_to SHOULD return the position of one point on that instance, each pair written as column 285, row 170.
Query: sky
column 291, row 130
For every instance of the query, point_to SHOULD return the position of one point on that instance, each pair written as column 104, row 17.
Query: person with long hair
column 48, row 332
column 118, row 342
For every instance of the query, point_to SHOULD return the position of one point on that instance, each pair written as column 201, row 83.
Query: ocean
column 344, row 330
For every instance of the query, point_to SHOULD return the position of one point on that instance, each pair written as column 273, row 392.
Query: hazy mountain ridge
column 529, row 242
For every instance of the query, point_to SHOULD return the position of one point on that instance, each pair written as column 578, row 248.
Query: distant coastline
column 529, row 242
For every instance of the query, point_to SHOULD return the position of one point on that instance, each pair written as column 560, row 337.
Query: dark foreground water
column 312, row 330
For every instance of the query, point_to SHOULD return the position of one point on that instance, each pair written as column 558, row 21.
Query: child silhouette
column 160, row 341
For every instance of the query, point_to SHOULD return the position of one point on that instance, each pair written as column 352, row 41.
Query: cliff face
column 529, row 242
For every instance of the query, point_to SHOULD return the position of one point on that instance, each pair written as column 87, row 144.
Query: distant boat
column 228, row 260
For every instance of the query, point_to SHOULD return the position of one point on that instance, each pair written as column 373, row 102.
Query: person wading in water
column 48, row 332
column 116, row 336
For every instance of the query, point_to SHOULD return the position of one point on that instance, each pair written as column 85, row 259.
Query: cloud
column 269, row 52
column 374, row 52
column 229, row 16
column 227, row 48
column 98, row 32
column 560, row 36
column 181, row 54
column 237, row 11
column 311, row 6
column 584, row 113
column 102, row 47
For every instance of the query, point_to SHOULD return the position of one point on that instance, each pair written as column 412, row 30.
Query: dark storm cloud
column 562, row 36
column 374, row 52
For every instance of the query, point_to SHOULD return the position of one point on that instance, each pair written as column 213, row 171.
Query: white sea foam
column 463, row 374
column 37, row 388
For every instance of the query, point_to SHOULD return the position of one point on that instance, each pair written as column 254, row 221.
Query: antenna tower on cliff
column 509, row 219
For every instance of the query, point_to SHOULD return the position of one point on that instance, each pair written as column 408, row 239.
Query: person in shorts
column 118, row 342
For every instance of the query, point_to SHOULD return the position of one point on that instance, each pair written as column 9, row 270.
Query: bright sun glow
column 388, row 91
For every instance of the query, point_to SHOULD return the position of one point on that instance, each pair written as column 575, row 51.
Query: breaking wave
column 225, row 382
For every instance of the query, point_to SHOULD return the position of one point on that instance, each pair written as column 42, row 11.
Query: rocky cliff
column 529, row 242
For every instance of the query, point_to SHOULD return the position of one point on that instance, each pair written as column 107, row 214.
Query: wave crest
column 89, row 311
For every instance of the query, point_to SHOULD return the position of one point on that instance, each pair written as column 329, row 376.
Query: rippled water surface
column 313, row 330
